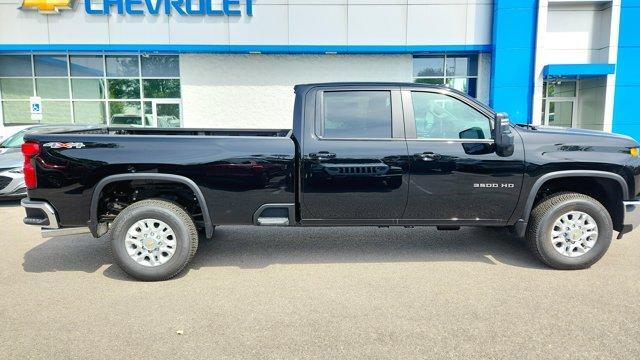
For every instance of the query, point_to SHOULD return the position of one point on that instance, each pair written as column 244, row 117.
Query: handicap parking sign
column 36, row 107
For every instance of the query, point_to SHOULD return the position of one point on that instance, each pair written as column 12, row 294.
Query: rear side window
column 356, row 114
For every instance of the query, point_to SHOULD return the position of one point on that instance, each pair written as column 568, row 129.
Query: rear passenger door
column 355, row 164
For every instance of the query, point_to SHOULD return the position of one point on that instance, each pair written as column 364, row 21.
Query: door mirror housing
column 503, row 137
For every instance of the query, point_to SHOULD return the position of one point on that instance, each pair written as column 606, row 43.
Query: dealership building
column 233, row 63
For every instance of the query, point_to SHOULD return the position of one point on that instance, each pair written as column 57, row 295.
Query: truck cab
column 403, row 155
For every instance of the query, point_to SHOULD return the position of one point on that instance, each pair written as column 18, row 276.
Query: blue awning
column 577, row 70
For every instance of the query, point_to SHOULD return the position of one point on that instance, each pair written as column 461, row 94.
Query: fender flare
column 97, row 192
column 521, row 225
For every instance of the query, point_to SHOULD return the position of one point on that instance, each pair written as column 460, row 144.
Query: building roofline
column 245, row 49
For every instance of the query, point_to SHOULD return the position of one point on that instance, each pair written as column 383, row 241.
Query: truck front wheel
column 569, row 231
column 153, row 240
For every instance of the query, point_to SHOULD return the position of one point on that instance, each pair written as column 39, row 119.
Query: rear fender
column 97, row 230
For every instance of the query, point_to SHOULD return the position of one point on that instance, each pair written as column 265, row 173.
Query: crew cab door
column 354, row 164
column 456, row 176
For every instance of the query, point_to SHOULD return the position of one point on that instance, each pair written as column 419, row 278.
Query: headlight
column 633, row 151
column 16, row 170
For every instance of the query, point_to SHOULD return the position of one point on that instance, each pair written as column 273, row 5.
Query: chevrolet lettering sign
column 142, row 7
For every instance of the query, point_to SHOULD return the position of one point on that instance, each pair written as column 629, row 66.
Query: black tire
column 542, row 220
column 168, row 212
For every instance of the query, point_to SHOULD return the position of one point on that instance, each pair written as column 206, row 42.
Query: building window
column 139, row 90
column 456, row 71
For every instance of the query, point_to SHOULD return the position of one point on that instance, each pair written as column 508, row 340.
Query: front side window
column 440, row 116
column 357, row 114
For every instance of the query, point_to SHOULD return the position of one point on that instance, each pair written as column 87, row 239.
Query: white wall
column 274, row 22
column 256, row 91
column 578, row 33
column 484, row 78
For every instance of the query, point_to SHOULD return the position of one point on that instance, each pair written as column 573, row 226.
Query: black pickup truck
column 359, row 154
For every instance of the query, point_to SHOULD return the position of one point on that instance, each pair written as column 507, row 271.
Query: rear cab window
column 356, row 114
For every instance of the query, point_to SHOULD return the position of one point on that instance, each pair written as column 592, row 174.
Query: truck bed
column 237, row 170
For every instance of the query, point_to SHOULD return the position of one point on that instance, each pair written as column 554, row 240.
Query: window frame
column 410, row 122
column 397, row 122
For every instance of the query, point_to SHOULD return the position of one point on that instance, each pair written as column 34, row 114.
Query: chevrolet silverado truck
column 359, row 154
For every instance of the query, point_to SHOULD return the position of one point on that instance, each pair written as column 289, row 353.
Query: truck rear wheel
column 569, row 231
column 153, row 240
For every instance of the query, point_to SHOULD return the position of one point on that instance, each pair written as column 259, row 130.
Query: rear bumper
column 41, row 213
column 631, row 215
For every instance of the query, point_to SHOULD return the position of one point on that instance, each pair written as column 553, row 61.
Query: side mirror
column 503, row 137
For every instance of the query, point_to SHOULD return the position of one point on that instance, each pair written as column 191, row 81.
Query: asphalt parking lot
column 317, row 293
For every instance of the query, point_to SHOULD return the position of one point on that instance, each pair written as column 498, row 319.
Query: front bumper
column 41, row 213
column 631, row 215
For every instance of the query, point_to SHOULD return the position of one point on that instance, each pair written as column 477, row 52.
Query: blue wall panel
column 626, row 118
column 628, row 74
column 514, row 42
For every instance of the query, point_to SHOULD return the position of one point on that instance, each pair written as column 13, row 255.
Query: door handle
column 428, row 156
column 322, row 155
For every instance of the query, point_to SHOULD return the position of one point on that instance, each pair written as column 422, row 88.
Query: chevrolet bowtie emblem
column 47, row 6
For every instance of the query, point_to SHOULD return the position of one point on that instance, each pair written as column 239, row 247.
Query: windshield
column 14, row 141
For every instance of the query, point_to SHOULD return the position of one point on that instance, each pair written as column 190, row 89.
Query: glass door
column 559, row 103
column 560, row 113
column 163, row 113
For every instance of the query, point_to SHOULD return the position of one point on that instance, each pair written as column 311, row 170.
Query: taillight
column 29, row 150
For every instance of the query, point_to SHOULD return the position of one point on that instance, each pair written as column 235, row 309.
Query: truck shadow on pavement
column 254, row 248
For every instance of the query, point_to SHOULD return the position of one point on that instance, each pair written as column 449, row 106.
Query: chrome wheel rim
column 574, row 233
column 150, row 242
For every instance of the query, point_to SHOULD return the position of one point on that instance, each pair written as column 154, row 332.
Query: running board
column 48, row 233
column 273, row 221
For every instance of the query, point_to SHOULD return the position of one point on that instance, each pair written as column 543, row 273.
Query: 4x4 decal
column 64, row 145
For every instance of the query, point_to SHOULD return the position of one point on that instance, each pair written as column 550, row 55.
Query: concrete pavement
column 317, row 293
